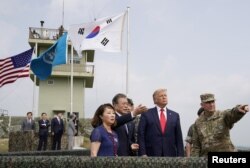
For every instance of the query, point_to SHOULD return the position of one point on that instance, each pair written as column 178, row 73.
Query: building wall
column 56, row 97
column 79, row 95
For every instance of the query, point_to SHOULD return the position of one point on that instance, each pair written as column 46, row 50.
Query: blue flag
column 55, row 55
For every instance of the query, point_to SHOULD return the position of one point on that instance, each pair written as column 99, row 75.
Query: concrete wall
column 56, row 96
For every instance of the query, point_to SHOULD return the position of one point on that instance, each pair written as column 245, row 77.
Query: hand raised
column 139, row 109
column 244, row 108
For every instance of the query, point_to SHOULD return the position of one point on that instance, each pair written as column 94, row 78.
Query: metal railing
column 76, row 68
column 4, row 112
column 44, row 33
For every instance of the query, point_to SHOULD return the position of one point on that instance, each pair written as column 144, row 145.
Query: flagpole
column 34, row 86
column 127, row 67
column 63, row 14
column 71, row 81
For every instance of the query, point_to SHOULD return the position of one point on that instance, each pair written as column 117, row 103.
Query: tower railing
column 44, row 33
column 3, row 112
column 80, row 68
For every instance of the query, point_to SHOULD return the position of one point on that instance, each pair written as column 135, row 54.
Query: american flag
column 15, row 67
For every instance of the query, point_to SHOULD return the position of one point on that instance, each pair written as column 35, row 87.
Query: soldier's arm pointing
column 243, row 109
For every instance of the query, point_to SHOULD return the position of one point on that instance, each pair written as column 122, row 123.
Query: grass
column 4, row 145
column 86, row 142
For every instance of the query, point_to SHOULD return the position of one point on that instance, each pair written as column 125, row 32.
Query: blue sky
column 189, row 47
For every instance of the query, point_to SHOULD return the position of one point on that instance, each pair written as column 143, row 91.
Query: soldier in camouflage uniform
column 211, row 129
column 188, row 139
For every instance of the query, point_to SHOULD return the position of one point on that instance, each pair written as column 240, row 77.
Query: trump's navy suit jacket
column 151, row 140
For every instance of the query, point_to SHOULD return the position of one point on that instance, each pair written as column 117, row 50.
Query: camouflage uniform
column 190, row 134
column 211, row 132
column 190, row 130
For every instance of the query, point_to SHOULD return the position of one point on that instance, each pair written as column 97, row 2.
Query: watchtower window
column 50, row 82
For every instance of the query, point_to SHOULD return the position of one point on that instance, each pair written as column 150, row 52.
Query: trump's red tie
column 162, row 121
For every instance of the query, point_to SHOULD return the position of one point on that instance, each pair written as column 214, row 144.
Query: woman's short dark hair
column 96, row 120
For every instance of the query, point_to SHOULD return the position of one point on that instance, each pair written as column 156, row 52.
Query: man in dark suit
column 57, row 129
column 159, row 132
column 125, row 132
column 43, row 132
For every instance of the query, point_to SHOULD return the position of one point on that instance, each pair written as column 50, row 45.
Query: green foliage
column 84, row 152
column 85, row 127
column 100, row 162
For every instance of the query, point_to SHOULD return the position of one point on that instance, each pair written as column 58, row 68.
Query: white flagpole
column 9, row 124
column 71, row 81
column 63, row 14
column 127, row 67
column 34, row 89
